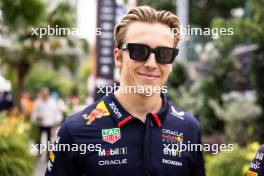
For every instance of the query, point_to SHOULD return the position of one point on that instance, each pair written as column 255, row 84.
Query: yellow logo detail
column 52, row 156
column 102, row 106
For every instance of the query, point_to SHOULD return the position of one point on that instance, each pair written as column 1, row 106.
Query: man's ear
column 118, row 58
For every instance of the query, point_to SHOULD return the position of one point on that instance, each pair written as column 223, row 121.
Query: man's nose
column 151, row 61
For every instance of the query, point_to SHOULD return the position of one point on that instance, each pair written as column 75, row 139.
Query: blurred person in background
column 62, row 110
column 46, row 113
column 27, row 104
column 256, row 167
column 74, row 104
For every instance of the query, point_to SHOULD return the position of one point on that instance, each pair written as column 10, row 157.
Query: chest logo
column 115, row 109
column 97, row 113
column 171, row 136
column 175, row 113
column 111, row 135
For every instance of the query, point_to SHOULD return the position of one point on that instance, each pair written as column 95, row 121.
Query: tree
column 256, row 26
column 38, row 77
column 178, row 76
column 197, row 15
column 26, row 49
column 169, row 5
column 237, row 113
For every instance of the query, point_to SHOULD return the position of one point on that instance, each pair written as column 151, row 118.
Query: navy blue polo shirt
column 120, row 144
column 256, row 167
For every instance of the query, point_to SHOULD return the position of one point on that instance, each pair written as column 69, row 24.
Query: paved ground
column 40, row 167
column 41, row 163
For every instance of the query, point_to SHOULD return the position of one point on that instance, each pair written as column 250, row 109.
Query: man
column 138, row 130
column 256, row 167
column 45, row 113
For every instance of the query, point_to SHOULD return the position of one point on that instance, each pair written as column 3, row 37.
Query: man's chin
column 145, row 94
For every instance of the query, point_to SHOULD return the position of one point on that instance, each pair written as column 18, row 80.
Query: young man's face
column 149, row 72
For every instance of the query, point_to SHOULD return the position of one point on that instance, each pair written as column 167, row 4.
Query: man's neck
column 139, row 105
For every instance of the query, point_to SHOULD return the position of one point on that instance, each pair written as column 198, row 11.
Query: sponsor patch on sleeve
column 250, row 173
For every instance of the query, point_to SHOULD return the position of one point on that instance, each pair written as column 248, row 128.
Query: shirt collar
column 121, row 116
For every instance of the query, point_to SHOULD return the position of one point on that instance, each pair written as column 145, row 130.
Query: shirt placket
column 148, row 166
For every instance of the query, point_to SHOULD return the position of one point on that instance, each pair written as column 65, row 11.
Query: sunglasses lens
column 138, row 52
column 141, row 52
column 165, row 55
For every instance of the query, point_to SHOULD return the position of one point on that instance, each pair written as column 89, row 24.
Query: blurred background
column 220, row 79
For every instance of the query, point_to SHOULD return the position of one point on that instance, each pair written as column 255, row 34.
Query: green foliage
column 83, row 73
column 226, row 43
column 22, row 13
column 189, row 99
column 62, row 10
column 61, row 51
column 256, row 22
column 15, row 159
column 40, row 77
column 169, row 5
column 213, row 9
column 192, row 99
column 210, row 122
column 178, row 75
column 34, row 133
column 220, row 76
column 231, row 163
column 213, row 86
column 238, row 114
column 208, row 88
column 257, row 80
column 256, row 26
column 236, row 109
column 248, row 30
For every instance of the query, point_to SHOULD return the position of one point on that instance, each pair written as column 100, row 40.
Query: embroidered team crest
column 111, row 135
column 100, row 111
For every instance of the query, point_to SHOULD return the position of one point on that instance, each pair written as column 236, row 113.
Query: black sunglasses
column 141, row 52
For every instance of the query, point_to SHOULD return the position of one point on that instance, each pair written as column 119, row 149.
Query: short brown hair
column 149, row 15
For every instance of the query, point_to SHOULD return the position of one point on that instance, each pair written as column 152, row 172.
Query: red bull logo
column 100, row 111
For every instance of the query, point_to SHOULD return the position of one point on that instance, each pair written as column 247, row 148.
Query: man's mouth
column 148, row 76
